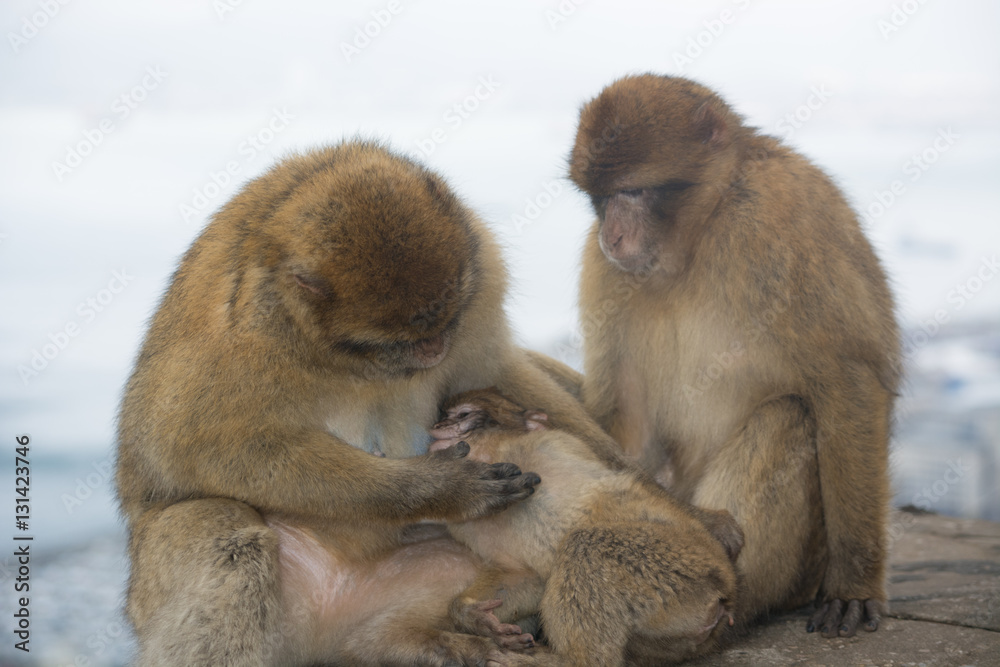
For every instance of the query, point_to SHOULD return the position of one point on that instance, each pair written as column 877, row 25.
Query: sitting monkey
column 619, row 571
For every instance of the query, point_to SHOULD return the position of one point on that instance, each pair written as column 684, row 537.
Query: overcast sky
column 118, row 121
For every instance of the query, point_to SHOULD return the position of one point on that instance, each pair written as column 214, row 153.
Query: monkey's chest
column 396, row 429
column 683, row 382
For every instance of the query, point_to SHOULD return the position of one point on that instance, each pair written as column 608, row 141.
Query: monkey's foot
column 835, row 619
column 478, row 618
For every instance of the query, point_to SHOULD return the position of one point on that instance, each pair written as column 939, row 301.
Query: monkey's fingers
column 515, row 642
column 817, row 617
column 829, row 617
column 874, row 609
column 446, row 431
column 501, row 471
column 457, row 451
column 500, row 494
column 830, row 624
column 837, row 619
column 516, row 489
column 849, row 624
column 524, row 485
column 479, row 618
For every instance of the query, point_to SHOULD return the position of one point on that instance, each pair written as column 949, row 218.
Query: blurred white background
column 118, row 121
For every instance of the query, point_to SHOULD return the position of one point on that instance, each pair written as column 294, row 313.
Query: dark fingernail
column 844, row 629
column 810, row 627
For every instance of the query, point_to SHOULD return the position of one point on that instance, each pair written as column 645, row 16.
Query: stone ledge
column 944, row 598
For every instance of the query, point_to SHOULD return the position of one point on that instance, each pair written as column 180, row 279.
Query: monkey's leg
column 586, row 615
column 567, row 378
column 204, row 588
column 496, row 600
column 852, row 445
column 766, row 477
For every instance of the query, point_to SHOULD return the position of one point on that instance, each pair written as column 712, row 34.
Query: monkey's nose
column 430, row 351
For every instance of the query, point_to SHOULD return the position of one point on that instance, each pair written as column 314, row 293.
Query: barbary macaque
column 740, row 341
column 619, row 572
column 272, row 439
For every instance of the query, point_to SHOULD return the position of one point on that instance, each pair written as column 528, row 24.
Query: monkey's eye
column 633, row 192
column 673, row 187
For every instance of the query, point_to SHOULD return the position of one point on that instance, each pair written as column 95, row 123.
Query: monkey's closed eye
column 633, row 192
column 673, row 187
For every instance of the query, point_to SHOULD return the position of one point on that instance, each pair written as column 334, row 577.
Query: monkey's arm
column 314, row 473
column 565, row 377
column 851, row 446
column 528, row 385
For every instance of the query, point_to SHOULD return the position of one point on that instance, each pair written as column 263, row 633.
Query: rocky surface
column 944, row 586
column 944, row 597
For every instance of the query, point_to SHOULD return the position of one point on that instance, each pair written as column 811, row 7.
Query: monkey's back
column 790, row 235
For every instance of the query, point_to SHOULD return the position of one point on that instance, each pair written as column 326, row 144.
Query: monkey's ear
column 710, row 124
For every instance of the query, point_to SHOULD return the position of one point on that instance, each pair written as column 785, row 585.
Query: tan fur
column 272, row 437
column 740, row 339
column 620, row 572
column 566, row 377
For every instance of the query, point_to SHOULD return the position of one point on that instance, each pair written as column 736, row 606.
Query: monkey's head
column 703, row 586
column 480, row 410
column 651, row 152
column 374, row 257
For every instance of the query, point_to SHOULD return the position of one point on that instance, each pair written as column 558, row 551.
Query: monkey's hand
column 724, row 528
column 835, row 619
column 477, row 618
column 477, row 489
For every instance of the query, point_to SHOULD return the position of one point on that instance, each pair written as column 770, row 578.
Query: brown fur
column 740, row 339
column 272, row 435
column 619, row 571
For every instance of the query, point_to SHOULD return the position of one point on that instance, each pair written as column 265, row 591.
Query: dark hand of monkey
column 480, row 489
column 834, row 621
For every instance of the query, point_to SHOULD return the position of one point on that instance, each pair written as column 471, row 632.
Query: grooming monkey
column 619, row 571
column 740, row 341
column 272, row 438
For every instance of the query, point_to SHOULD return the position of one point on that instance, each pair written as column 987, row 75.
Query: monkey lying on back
column 619, row 571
